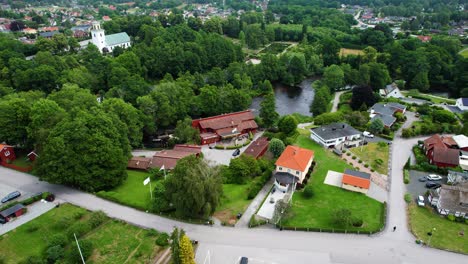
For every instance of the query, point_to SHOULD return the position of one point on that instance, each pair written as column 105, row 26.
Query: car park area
column 417, row 185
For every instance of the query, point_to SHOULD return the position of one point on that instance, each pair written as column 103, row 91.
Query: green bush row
column 258, row 183
column 254, row 222
column 406, row 176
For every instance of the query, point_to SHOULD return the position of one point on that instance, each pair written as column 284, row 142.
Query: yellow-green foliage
column 186, row 251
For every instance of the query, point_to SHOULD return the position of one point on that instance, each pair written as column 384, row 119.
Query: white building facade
column 110, row 42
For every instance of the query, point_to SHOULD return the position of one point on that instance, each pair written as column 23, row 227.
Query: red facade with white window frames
column 7, row 153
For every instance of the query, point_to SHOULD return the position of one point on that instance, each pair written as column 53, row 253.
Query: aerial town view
column 234, row 131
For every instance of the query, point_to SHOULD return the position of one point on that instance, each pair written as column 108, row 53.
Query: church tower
column 98, row 36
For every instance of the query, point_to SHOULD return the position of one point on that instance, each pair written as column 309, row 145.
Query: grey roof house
column 335, row 134
column 386, row 112
column 451, row 200
column 391, row 90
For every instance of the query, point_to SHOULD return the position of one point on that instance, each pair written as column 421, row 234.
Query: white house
column 391, row 90
column 335, row 134
column 462, row 104
column 450, row 199
column 292, row 167
column 109, row 42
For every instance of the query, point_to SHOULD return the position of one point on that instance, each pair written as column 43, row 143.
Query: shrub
column 219, row 147
column 152, row 232
column 162, row 240
column 308, row 192
column 451, row 217
column 78, row 228
column 254, row 188
column 359, row 161
column 366, row 165
column 378, row 161
column 350, row 163
column 63, row 222
column 31, row 228
column 97, row 218
column 408, row 198
column 86, row 249
column 54, row 253
column 372, row 170
column 78, row 215
column 348, row 153
column 57, row 240
column 357, row 222
column 353, row 157
column 406, row 176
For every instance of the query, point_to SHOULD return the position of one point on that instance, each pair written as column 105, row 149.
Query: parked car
column 236, row 153
column 244, row 260
column 272, row 200
column 421, row 200
column 11, row 196
column 2, row 220
column 422, row 179
column 367, row 134
column 434, row 177
column 432, row 185
column 417, row 114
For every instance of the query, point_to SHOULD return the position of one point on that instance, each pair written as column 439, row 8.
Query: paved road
column 226, row 245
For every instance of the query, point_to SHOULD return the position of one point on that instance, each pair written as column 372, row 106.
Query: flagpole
column 151, row 193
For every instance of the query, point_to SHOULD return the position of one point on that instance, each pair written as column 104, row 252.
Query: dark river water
column 290, row 99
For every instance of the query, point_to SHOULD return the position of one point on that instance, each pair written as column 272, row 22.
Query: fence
column 15, row 167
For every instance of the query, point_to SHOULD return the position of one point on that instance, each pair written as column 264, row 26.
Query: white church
column 109, row 42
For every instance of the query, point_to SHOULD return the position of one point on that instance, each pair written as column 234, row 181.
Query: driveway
column 268, row 207
column 34, row 210
column 336, row 101
column 221, row 156
column 415, row 187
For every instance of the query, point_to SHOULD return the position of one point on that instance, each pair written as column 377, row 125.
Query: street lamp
column 430, row 235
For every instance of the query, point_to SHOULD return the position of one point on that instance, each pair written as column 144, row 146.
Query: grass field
column 371, row 152
column 132, row 192
column 345, row 52
column 234, row 201
column 317, row 211
column 447, row 234
column 31, row 239
column 464, row 53
column 428, row 97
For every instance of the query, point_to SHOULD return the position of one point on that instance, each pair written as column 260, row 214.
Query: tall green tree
column 276, row 147
column 333, row 77
column 268, row 112
column 87, row 150
column 185, row 133
column 45, row 114
column 287, row 124
column 376, row 126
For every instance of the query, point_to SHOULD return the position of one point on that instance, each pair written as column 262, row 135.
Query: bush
column 31, row 228
column 57, row 240
column 63, row 222
column 54, row 253
column 152, row 232
column 378, row 161
column 86, row 249
column 451, row 217
column 366, row 165
column 219, row 147
column 308, row 192
column 350, row 163
column 97, row 218
column 78, row 215
column 359, row 161
column 357, row 222
column 406, row 176
column 78, row 228
column 408, row 198
column 254, row 188
column 353, row 157
column 162, row 240
column 372, row 170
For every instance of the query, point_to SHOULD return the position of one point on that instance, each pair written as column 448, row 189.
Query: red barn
column 257, row 148
column 7, row 153
column 441, row 151
column 216, row 128
column 13, row 211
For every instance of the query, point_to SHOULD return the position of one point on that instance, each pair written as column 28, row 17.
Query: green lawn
column 464, row 53
column 446, row 236
column 131, row 192
column 31, row 238
column 234, row 201
column 371, row 152
column 317, row 211
column 428, row 97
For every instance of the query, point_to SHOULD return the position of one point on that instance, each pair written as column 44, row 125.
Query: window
column 289, row 170
column 297, row 172
column 100, row 34
column 94, row 35
column 280, row 168
column 7, row 153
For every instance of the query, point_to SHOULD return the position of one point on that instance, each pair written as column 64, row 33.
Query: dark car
column 244, row 260
column 432, row 185
column 422, row 179
column 236, row 153
column 11, row 196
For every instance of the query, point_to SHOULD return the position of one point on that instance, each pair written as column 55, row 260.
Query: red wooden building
column 442, row 151
column 257, row 148
column 216, row 128
column 7, row 153
column 13, row 211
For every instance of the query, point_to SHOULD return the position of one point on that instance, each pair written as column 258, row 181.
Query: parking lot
column 5, row 190
column 415, row 187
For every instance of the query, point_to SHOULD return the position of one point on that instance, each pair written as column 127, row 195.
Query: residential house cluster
column 386, row 112
column 226, row 126
column 165, row 159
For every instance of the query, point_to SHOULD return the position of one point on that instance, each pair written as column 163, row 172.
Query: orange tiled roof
column 356, row 181
column 295, row 158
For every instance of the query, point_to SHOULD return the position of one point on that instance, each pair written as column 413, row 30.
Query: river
column 290, row 99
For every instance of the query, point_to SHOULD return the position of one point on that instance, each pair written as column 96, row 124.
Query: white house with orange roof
column 292, row 167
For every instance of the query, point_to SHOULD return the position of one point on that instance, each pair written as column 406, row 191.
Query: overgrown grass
column 234, row 201
column 464, row 53
column 113, row 241
column 447, row 234
column 435, row 99
column 317, row 212
column 345, row 52
column 372, row 152
column 132, row 192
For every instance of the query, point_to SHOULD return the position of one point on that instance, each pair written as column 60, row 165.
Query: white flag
column 146, row 181
column 162, row 167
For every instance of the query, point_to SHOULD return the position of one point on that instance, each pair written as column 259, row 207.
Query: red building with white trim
column 216, row 128
column 7, row 153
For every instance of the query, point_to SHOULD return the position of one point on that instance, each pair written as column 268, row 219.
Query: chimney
column 343, row 126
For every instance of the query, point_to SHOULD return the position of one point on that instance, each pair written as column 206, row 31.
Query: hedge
column 406, row 176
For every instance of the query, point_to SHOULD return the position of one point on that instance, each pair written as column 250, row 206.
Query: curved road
column 268, row 245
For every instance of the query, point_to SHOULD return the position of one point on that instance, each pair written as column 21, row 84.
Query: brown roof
column 295, row 158
column 227, row 120
column 449, row 141
column 140, row 163
column 169, row 158
column 446, row 155
column 257, row 147
column 188, row 148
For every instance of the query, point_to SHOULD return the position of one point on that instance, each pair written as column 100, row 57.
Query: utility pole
column 79, row 249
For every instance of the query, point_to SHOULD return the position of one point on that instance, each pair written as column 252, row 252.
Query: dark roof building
column 257, row 148
column 385, row 112
column 48, row 34
column 167, row 158
column 15, row 210
column 334, row 134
